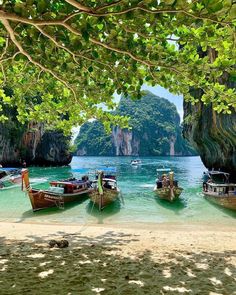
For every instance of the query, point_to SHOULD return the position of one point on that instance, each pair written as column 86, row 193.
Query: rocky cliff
column 155, row 131
column 53, row 149
column 32, row 144
column 213, row 135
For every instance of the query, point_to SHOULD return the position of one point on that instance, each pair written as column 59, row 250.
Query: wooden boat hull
column 227, row 201
column 41, row 199
column 102, row 200
column 168, row 194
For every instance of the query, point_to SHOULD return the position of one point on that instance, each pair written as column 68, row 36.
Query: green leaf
column 95, row 54
column 85, row 35
column 90, row 69
column 100, row 26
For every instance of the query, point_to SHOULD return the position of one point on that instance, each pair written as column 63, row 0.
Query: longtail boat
column 166, row 186
column 218, row 189
column 59, row 192
column 136, row 162
column 9, row 177
column 105, row 187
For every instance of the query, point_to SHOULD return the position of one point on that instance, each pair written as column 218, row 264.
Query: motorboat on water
column 136, row 162
column 219, row 190
column 167, row 187
column 58, row 193
column 105, row 187
column 9, row 177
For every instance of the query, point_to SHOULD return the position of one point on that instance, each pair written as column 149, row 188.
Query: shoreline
column 201, row 235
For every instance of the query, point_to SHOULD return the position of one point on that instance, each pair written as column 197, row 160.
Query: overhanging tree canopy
column 64, row 58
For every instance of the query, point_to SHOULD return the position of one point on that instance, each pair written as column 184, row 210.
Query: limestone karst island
column 117, row 147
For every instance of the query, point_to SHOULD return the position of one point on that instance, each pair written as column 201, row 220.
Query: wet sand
column 132, row 259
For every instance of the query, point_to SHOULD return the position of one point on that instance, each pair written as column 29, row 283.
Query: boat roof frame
column 213, row 172
column 221, row 184
column 107, row 169
column 106, row 179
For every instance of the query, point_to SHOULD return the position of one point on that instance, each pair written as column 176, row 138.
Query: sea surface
column 138, row 203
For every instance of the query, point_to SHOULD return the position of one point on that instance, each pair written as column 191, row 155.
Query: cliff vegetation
column 154, row 131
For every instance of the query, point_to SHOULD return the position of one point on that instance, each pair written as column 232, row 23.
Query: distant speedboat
column 105, row 187
column 136, row 162
column 59, row 192
column 9, row 177
column 166, row 187
column 217, row 189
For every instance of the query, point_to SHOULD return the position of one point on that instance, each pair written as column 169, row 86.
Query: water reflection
column 136, row 185
column 53, row 210
column 175, row 206
column 229, row 212
column 107, row 212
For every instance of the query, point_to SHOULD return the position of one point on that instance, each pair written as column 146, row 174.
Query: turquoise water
column 136, row 183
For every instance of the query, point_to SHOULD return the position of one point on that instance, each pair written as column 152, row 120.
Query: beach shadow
column 108, row 211
column 98, row 265
column 175, row 206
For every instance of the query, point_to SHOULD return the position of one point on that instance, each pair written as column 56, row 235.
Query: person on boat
column 164, row 180
column 206, row 178
column 85, row 178
column 107, row 185
column 0, row 165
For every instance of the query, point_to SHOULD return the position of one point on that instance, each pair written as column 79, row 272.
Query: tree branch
column 14, row 17
column 108, row 5
column 129, row 30
column 71, row 16
column 74, row 55
column 3, row 73
column 158, row 11
column 5, row 48
column 79, row 6
column 11, row 57
column 21, row 50
column 74, row 31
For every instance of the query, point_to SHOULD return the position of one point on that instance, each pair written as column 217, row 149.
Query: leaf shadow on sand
column 100, row 266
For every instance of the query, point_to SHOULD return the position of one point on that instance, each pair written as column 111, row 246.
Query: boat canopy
column 109, row 179
column 219, row 176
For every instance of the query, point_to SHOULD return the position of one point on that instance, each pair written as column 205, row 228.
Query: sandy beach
column 132, row 259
